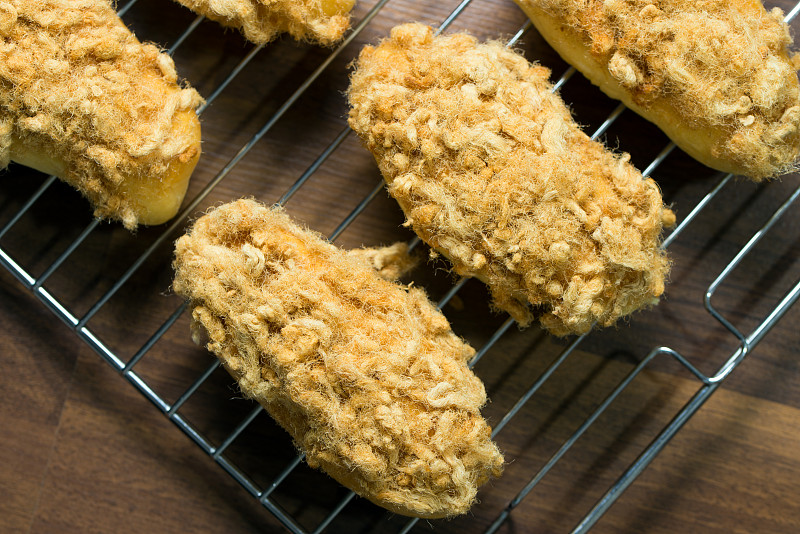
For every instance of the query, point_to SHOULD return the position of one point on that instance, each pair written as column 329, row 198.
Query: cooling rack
column 289, row 144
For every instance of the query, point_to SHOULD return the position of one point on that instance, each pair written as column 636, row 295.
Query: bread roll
column 493, row 173
column 714, row 75
column 365, row 374
column 83, row 99
column 261, row 21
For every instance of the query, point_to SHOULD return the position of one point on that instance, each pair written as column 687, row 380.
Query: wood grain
column 81, row 450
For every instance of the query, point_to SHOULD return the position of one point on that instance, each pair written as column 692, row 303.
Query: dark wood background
column 82, row 451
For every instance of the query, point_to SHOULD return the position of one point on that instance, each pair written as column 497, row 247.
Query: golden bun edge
column 83, row 99
column 154, row 199
column 726, row 147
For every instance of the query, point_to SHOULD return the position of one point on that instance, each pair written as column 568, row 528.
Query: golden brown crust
column 261, row 21
column 366, row 375
column 715, row 75
column 491, row 171
column 82, row 98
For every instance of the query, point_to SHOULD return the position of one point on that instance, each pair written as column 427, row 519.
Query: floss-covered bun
column 365, row 374
column 493, row 173
column 715, row 75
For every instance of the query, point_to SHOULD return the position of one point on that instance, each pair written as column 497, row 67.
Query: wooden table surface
column 82, row 450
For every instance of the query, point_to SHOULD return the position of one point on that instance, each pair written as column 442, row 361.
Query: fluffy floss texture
column 364, row 373
column 490, row 170
column 79, row 87
column 390, row 262
column 261, row 21
column 721, row 64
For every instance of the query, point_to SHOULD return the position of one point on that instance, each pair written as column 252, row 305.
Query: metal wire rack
column 152, row 243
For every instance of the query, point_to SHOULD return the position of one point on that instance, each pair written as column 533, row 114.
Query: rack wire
column 217, row 449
